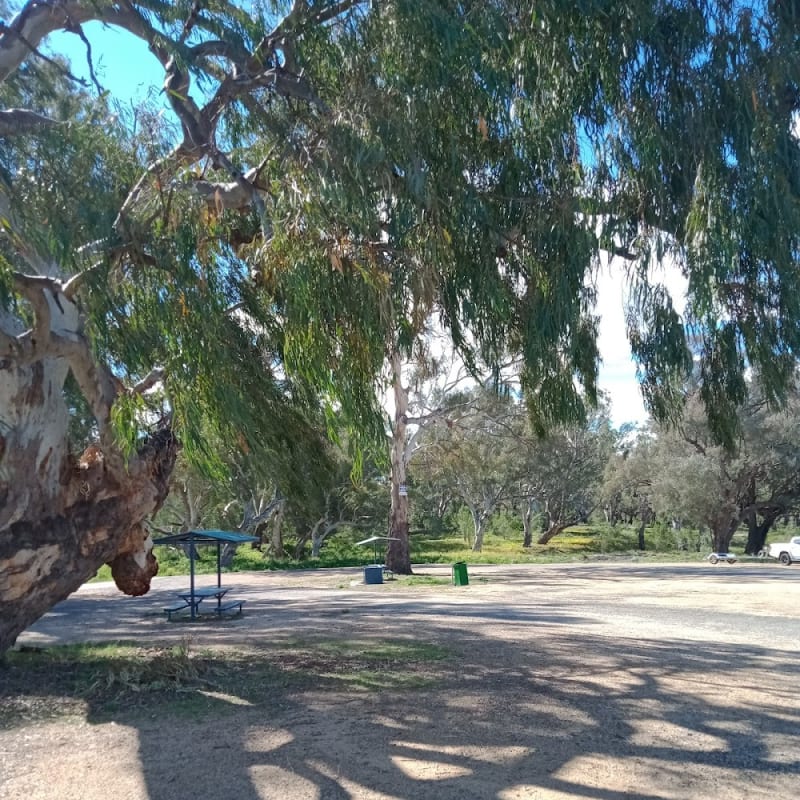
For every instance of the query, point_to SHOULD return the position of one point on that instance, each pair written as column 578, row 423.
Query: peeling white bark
column 398, row 555
column 27, row 567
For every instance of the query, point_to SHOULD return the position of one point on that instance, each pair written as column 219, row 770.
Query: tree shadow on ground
column 525, row 707
column 506, row 719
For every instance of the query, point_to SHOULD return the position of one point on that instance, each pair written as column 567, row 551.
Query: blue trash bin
column 373, row 574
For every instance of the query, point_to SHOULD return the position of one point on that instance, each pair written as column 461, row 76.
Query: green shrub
column 617, row 538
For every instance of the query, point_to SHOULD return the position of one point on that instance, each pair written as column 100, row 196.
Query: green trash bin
column 460, row 577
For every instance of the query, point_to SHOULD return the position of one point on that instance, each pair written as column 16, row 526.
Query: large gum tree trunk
column 398, row 551
column 64, row 516
column 46, row 557
column 723, row 527
column 757, row 533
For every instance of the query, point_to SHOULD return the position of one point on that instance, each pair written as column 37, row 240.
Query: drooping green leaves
column 467, row 160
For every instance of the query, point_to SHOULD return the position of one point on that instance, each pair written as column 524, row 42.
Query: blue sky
column 618, row 370
column 126, row 68
column 122, row 62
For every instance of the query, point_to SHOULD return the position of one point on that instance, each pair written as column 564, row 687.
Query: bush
column 505, row 525
column 617, row 538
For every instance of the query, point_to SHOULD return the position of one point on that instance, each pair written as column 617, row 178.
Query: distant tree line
column 479, row 456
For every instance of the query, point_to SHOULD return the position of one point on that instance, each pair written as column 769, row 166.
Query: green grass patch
column 97, row 680
column 366, row 665
column 117, row 681
column 578, row 543
column 419, row 580
column 390, row 651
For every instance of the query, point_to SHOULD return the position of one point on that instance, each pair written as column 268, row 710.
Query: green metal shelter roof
column 207, row 537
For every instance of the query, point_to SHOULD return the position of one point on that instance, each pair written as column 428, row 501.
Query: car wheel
column 713, row 559
column 785, row 559
column 731, row 560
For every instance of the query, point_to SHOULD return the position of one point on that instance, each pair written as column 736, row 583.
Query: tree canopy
column 333, row 172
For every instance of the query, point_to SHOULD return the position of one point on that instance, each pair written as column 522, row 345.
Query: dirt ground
column 598, row 681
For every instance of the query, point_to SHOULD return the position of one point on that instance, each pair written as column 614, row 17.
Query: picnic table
column 194, row 596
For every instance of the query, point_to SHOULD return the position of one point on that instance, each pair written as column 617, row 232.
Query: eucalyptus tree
column 563, row 472
column 421, row 391
column 337, row 502
column 251, row 491
column 473, row 453
column 338, row 170
column 627, row 489
column 136, row 291
column 699, row 482
column 756, row 482
column 489, row 455
column 242, row 499
column 772, row 439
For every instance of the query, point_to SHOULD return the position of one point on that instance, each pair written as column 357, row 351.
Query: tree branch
column 245, row 186
column 216, row 48
column 335, row 10
column 39, row 54
column 71, row 286
column 154, row 377
column 65, row 340
column 78, row 31
column 172, row 160
column 290, row 85
column 96, row 382
column 9, row 346
column 39, row 18
column 280, row 30
column 623, row 253
column 19, row 120
column 33, row 288
column 233, row 195
column 695, row 443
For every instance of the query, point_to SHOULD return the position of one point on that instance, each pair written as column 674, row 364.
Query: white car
column 785, row 552
column 716, row 557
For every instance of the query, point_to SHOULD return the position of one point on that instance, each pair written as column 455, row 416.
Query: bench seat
column 175, row 609
column 237, row 604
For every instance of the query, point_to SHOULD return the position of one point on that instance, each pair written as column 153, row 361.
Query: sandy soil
column 562, row 681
